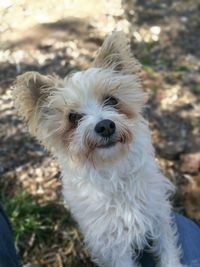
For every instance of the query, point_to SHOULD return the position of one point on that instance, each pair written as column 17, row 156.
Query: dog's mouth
column 109, row 143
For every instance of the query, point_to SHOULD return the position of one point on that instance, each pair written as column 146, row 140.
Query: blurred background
column 62, row 36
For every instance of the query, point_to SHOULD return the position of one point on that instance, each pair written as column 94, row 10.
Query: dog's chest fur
column 124, row 209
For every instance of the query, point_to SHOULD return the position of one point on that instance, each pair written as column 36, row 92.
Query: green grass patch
column 197, row 87
column 182, row 68
column 146, row 61
column 145, row 52
column 28, row 217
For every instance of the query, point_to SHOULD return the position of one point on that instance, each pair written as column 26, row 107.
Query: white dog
column 91, row 121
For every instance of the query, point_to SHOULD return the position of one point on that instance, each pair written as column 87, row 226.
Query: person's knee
column 8, row 256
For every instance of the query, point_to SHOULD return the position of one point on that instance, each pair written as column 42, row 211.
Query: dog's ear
column 31, row 90
column 115, row 53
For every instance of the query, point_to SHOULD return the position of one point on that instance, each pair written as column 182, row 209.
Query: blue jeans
column 189, row 238
column 8, row 256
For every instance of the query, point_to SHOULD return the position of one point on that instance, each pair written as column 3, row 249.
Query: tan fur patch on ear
column 30, row 89
column 115, row 53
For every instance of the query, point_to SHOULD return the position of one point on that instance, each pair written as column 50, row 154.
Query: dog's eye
column 75, row 117
column 110, row 101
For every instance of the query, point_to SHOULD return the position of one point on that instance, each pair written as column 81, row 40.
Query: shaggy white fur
column 112, row 183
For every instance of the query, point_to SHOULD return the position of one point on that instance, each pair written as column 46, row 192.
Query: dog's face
column 89, row 115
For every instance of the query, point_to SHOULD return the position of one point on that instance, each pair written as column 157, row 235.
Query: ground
column 52, row 38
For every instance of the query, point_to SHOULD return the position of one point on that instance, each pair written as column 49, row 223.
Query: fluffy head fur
column 46, row 102
column 110, row 181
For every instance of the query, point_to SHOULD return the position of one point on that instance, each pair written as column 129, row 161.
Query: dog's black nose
column 105, row 128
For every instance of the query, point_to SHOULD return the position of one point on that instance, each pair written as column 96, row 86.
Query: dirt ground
column 52, row 38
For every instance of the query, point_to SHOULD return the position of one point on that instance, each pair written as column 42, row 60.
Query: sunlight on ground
column 26, row 15
column 18, row 15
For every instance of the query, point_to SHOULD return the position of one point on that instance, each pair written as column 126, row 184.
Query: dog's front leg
column 125, row 261
column 166, row 247
column 115, row 258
